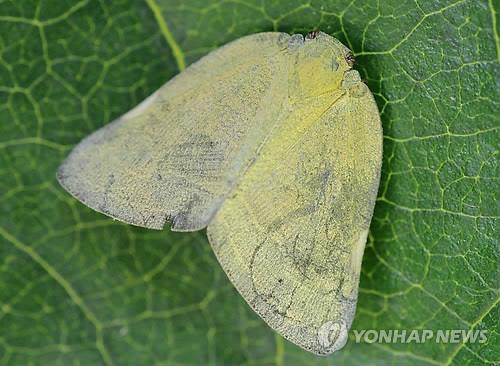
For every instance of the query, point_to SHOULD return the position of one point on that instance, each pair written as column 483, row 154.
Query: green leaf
column 79, row 288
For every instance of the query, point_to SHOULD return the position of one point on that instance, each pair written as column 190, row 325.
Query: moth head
column 318, row 63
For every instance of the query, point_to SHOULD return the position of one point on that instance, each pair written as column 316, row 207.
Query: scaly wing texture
column 292, row 234
column 176, row 155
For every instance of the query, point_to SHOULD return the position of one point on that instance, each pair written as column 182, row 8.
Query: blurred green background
column 77, row 288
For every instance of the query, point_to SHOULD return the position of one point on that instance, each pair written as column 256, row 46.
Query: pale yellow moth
column 274, row 144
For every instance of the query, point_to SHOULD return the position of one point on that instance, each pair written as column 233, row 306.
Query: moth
column 274, row 144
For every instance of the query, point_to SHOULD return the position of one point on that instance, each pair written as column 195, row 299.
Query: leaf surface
column 79, row 288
